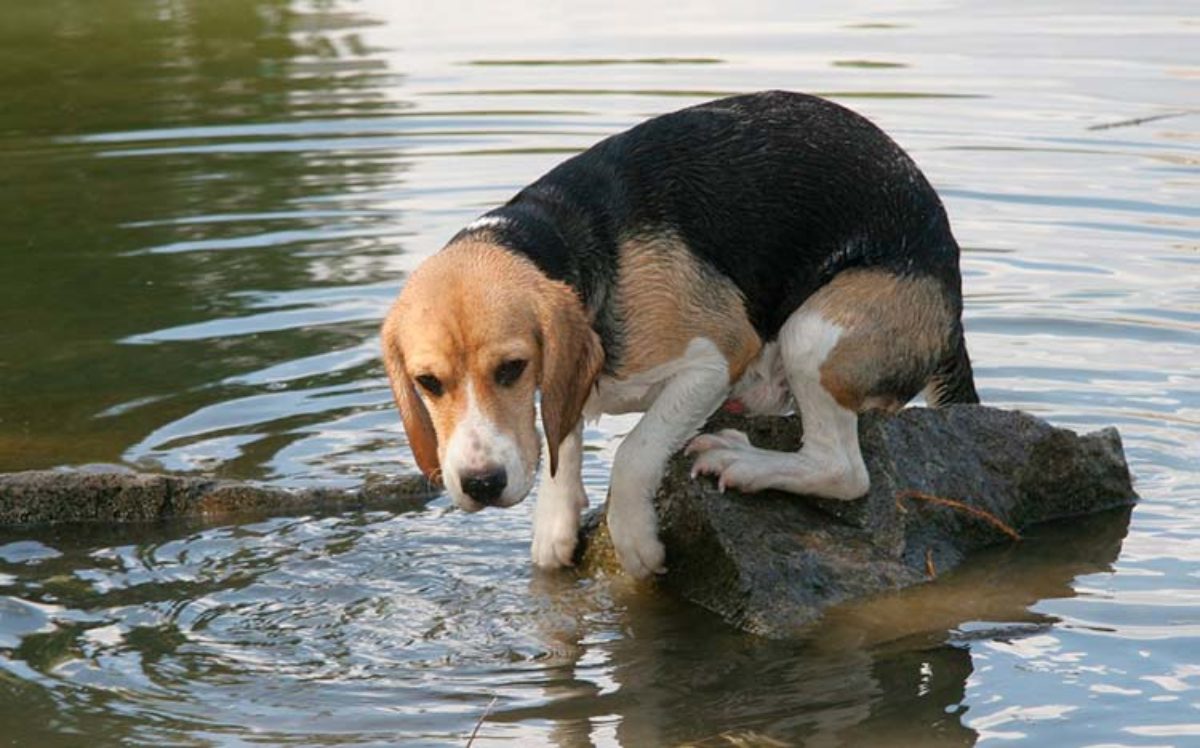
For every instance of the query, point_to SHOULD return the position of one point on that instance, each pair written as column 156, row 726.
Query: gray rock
column 772, row 562
column 117, row 495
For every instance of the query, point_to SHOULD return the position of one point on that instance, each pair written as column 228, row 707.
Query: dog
column 767, row 251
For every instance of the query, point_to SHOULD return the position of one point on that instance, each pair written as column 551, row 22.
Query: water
column 209, row 205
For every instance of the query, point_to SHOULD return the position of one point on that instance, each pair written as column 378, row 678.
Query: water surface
column 208, row 207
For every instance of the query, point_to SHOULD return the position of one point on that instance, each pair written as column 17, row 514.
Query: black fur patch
column 778, row 191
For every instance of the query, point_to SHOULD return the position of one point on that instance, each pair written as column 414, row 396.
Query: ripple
column 268, row 239
column 26, row 552
column 1090, row 202
column 305, row 309
column 210, row 246
column 595, row 61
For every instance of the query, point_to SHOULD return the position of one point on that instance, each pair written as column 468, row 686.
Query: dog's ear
column 422, row 439
column 571, row 361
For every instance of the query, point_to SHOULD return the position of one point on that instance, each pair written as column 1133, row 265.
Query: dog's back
column 773, row 236
column 780, row 191
column 777, row 191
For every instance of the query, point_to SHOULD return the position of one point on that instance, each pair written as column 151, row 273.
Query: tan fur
column 891, row 326
column 667, row 298
column 572, row 357
column 417, row 424
column 461, row 314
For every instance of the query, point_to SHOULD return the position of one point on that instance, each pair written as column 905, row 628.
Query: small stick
column 930, row 569
column 482, row 717
column 973, row 511
column 1141, row 120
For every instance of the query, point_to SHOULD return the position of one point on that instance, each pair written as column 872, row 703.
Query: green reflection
column 70, row 287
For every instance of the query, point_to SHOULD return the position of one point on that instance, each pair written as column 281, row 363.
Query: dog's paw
column 554, row 548
column 730, row 457
column 740, row 466
column 634, row 532
column 555, row 533
column 723, row 439
column 744, row 473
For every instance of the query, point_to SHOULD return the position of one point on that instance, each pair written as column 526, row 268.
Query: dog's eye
column 509, row 372
column 431, row 384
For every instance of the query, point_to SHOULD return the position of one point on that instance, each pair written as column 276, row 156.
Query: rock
column 118, row 495
column 771, row 563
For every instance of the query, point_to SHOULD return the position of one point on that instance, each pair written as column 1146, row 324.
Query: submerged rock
column 117, row 495
column 943, row 483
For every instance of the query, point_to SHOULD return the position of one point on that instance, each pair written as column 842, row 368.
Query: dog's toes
column 724, row 439
column 555, row 535
column 554, row 552
column 713, row 461
column 637, row 545
column 564, row 550
column 643, row 558
column 744, row 470
column 739, row 475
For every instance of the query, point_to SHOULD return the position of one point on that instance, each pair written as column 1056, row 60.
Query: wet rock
column 943, row 484
column 117, row 495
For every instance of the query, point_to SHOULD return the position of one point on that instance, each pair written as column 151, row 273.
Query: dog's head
column 476, row 332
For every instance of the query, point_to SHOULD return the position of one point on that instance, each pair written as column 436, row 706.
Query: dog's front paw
column 555, row 533
column 555, row 548
column 634, row 532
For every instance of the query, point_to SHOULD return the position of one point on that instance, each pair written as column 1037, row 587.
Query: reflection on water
column 209, row 205
column 255, row 627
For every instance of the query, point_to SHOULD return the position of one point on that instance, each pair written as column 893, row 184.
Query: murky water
column 207, row 206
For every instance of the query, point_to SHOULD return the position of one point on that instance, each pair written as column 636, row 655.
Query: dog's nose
column 485, row 486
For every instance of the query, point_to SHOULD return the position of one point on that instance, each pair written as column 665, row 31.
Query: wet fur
column 745, row 244
column 467, row 309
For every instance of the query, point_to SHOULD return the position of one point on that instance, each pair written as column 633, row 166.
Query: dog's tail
column 953, row 381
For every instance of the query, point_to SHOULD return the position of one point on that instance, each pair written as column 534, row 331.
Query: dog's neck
column 551, row 232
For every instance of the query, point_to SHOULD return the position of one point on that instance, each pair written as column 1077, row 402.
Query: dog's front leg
column 687, row 399
column 560, row 499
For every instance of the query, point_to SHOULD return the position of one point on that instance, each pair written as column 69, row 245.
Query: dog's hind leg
column 829, row 463
column 867, row 339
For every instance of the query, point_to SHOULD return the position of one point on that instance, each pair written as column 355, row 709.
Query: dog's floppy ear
column 571, row 361
column 422, row 439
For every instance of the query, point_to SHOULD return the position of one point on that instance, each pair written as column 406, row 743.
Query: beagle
column 770, row 251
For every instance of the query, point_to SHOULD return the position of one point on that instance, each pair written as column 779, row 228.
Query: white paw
column 740, row 466
column 735, row 469
column 555, row 532
column 723, row 439
column 730, row 457
column 634, row 531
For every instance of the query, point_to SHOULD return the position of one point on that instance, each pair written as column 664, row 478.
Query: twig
column 482, row 717
column 930, row 569
column 973, row 511
column 1141, row 120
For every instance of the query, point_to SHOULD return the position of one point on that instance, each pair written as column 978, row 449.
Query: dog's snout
column 485, row 486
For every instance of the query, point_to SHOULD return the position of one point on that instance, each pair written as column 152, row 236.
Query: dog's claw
column 729, row 455
column 554, row 553
column 635, row 539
